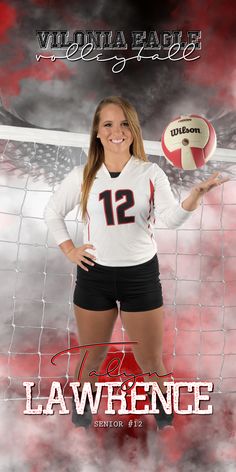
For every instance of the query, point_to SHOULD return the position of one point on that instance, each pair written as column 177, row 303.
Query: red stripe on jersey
column 88, row 226
column 151, row 199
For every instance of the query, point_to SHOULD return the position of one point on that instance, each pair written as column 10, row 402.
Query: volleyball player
column 120, row 194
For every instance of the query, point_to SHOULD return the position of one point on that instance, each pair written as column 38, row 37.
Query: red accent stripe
column 212, row 141
column 88, row 226
column 151, row 199
column 198, row 156
column 211, row 145
column 173, row 157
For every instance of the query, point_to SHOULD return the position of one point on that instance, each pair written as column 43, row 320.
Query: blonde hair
column 96, row 152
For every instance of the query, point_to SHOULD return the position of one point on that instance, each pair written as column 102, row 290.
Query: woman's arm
column 67, row 246
column 65, row 199
column 168, row 209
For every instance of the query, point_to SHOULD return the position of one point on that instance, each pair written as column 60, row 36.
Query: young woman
column 120, row 194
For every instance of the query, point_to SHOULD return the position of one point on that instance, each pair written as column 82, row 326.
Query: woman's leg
column 93, row 327
column 146, row 328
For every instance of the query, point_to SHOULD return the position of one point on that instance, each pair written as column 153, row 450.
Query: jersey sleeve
column 65, row 199
column 166, row 207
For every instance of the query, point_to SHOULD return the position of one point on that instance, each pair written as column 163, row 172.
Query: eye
column 125, row 123
column 107, row 125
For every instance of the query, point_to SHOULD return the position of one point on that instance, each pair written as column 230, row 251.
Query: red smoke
column 16, row 66
column 43, row 71
column 8, row 20
column 216, row 66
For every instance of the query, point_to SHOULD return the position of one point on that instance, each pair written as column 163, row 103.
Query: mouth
column 117, row 141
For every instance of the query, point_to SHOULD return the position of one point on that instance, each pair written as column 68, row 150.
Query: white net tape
column 197, row 264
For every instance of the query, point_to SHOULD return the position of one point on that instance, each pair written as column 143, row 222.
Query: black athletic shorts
column 137, row 288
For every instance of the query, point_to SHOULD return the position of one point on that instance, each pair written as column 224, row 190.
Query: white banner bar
column 66, row 138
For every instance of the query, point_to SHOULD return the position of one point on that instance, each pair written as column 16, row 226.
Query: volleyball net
column 197, row 264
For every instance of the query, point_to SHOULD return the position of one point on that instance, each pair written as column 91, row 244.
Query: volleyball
column 188, row 142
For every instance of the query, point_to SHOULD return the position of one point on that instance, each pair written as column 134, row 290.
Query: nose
column 117, row 131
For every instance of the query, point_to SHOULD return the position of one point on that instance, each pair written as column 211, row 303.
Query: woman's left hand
column 206, row 185
column 193, row 200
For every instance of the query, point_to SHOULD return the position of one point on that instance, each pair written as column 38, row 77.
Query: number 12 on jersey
column 110, row 206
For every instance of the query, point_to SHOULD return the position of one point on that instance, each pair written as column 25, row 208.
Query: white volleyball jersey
column 121, row 211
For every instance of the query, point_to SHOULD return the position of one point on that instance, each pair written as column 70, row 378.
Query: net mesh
column 197, row 263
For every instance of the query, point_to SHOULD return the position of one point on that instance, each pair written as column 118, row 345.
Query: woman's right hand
column 78, row 255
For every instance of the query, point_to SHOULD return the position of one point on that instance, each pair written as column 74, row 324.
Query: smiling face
column 114, row 132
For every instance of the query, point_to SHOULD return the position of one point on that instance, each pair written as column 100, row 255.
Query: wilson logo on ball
column 191, row 146
column 183, row 130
